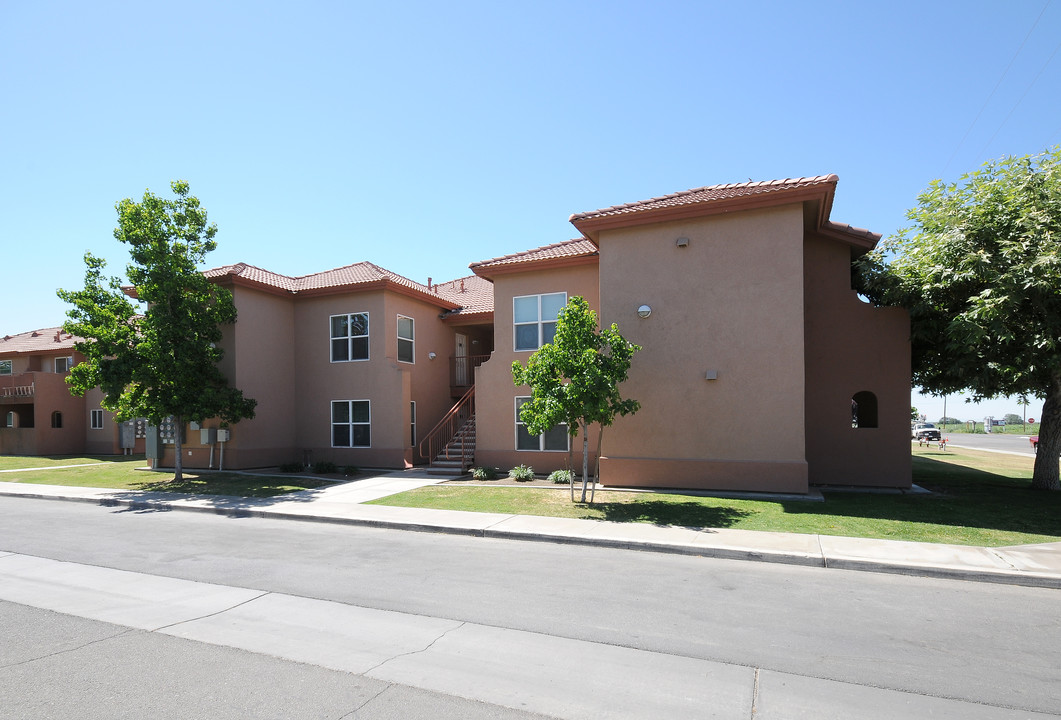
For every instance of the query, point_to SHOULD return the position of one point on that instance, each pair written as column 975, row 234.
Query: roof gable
column 815, row 192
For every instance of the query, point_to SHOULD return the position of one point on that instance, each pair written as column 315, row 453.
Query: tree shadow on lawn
column 962, row 497
column 255, row 486
column 663, row 513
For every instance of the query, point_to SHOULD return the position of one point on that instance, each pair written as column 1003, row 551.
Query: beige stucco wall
column 494, row 391
column 853, row 347
column 730, row 302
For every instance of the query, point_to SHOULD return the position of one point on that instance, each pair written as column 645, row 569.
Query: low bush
column 323, row 467
column 349, row 470
column 561, row 476
column 484, row 473
column 521, row 473
column 292, row 467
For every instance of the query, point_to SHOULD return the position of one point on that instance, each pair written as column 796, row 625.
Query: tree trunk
column 585, row 459
column 1045, row 475
column 596, row 469
column 178, row 424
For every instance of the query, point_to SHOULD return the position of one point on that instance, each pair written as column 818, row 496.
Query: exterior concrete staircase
column 448, row 462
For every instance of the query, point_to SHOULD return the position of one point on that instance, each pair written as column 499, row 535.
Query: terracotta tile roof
column 254, row 274
column 556, row 254
column 36, row 341
column 709, row 194
column 336, row 279
column 474, row 294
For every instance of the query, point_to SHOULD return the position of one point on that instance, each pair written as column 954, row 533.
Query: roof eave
column 591, row 227
column 488, row 272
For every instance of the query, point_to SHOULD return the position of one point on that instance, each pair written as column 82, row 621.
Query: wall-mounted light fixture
column 431, row 356
column 682, row 242
column 711, row 375
column 644, row 311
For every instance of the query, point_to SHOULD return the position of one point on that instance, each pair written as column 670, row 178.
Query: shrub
column 323, row 467
column 349, row 470
column 521, row 473
column 484, row 473
column 292, row 467
column 561, row 476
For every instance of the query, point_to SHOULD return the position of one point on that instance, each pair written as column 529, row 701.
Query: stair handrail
column 439, row 437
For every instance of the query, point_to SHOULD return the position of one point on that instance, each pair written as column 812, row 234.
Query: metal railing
column 437, row 443
column 462, row 369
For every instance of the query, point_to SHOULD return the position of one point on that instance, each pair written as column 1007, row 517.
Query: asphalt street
column 995, row 441
column 935, row 639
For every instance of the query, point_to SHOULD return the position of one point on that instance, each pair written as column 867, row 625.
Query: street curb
column 1020, row 578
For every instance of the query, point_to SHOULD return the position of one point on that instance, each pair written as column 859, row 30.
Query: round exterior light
column 644, row 311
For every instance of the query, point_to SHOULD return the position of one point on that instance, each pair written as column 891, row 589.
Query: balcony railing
column 19, row 386
column 462, row 369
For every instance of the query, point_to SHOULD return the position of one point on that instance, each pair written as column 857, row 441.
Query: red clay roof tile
column 711, row 193
column 577, row 248
column 473, row 293
column 36, row 341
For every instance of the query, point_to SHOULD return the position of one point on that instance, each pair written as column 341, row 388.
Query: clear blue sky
column 426, row 136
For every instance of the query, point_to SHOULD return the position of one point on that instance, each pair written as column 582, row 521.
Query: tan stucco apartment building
column 761, row 368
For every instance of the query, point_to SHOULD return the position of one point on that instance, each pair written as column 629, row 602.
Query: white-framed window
column 5, row 367
column 534, row 319
column 554, row 439
column 63, row 364
column 351, row 423
column 95, row 419
column 412, row 423
column 405, row 340
column 349, row 337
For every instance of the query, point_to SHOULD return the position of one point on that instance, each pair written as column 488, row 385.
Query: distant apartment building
column 761, row 368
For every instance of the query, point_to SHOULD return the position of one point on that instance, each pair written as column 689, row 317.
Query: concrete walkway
column 1031, row 565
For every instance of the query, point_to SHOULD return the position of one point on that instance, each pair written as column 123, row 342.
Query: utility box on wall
column 151, row 443
column 224, row 435
column 207, row 436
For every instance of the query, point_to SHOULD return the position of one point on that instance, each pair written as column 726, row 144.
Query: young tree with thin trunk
column 980, row 273
column 161, row 361
column 574, row 379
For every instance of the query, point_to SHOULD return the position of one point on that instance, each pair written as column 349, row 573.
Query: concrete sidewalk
column 1030, row 565
column 552, row 675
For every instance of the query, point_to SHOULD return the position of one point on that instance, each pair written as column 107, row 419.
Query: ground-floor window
column 95, row 419
column 556, row 438
column 351, row 423
column 57, row 419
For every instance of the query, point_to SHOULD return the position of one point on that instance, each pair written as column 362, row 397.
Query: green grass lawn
column 978, row 498
column 123, row 473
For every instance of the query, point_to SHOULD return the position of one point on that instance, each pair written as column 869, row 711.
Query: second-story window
column 349, row 337
column 405, row 339
column 63, row 364
column 5, row 367
column 534, row 319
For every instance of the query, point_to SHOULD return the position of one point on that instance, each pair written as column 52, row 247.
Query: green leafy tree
column 161, row 361
column 980, row 273
column 575, row 380
column 1012, row 419
column 914, row 414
